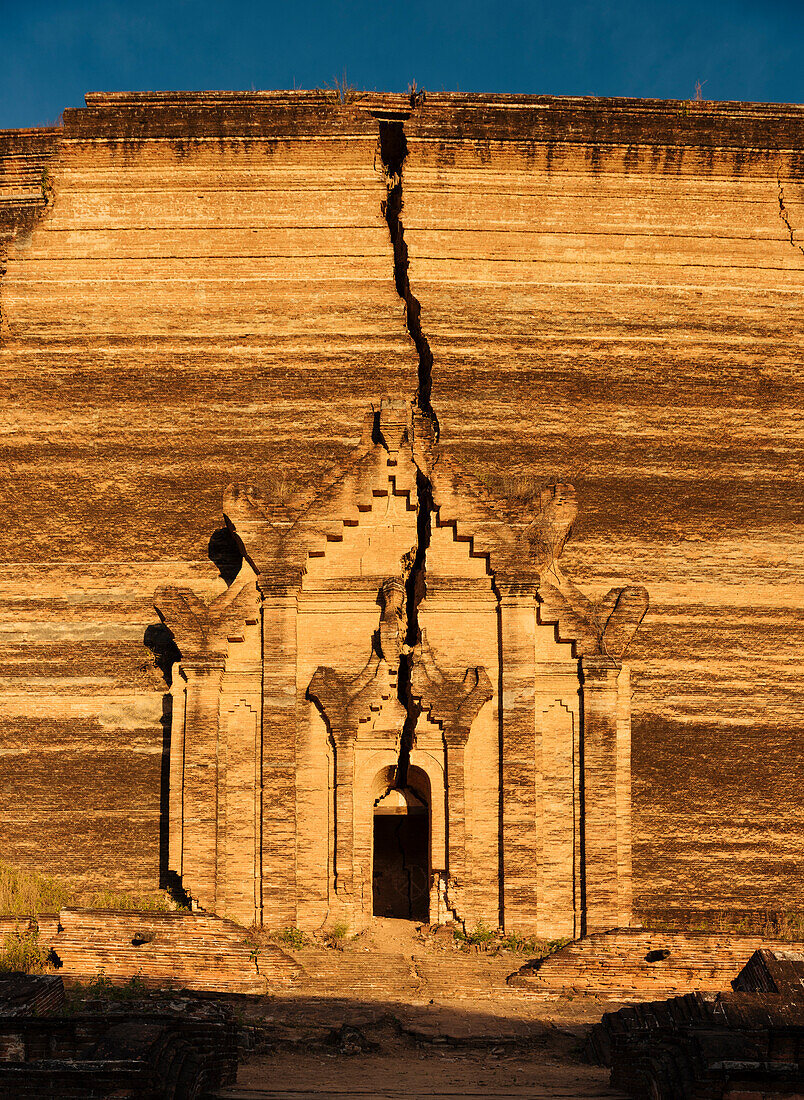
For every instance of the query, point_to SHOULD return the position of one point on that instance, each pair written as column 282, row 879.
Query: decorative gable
column 402, row 630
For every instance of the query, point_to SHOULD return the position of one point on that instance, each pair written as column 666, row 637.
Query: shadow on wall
column 164, row 790
column 166, row 653
column 224, row 553
column 160, row 641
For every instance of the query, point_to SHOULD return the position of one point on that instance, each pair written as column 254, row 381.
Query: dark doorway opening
column 402, row 864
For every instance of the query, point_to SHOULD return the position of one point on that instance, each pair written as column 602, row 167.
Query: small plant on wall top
column 22, row 951
column 335, row 936
column 46, row 186
column 346, row 92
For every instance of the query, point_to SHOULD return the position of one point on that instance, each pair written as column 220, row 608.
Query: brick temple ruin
column 402, row 707
column 503, row 297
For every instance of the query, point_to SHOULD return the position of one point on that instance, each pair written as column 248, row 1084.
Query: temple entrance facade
column 402, row 706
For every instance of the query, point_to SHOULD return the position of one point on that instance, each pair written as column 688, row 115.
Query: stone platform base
column 185, row 950
column 632, row 965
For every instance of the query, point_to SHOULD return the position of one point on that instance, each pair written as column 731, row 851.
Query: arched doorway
column 401, row 872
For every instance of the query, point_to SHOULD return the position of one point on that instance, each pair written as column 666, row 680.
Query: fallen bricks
column 183, row 950
column 169, row 1049
column 704, row 1046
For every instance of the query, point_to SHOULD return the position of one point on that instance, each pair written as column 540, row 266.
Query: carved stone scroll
column 603, row 627
column 454, row 705
column 202, row 631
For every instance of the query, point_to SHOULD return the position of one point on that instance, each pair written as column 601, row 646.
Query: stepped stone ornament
column 454, row 705
column 399, row 628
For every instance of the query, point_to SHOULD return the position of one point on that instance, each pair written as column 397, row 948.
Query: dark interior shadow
column 225, row 554
column 160, row 641
column 166, row 653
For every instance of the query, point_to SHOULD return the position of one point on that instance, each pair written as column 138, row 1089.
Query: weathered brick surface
column 611, row 297
column 182, row 950
column 632, row 965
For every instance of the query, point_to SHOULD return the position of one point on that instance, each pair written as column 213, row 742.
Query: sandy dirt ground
column 397, row 1016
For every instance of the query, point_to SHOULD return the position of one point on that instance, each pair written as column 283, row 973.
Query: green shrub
column 490, row 940
column 335, row 935
column 100, row 985
column 46, row 185
column 480, row 937
column 291, row 937
column 102, row 988
column 533, row 945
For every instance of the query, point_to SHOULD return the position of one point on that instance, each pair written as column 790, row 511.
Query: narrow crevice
column 784, row 216
column 415, row 590
column 394, row 151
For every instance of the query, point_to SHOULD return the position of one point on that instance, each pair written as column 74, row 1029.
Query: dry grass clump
column 22, row 951
column 27, row 894
column 157, row 902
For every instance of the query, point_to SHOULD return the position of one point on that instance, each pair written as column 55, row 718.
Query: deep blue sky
column 55, row 50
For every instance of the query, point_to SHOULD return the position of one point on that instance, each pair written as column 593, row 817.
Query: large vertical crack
column 393, row 153
column 784, row 215
column 415, row 590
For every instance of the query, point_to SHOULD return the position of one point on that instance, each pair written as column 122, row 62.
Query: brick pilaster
column 599, row 801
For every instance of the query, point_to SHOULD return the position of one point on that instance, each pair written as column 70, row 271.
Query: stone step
column 382, row 1093
column 191, row 923
column 386, row 976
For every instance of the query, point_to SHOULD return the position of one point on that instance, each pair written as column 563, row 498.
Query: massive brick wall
column 612, row 293
column 612, row 298
column 208, row 296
